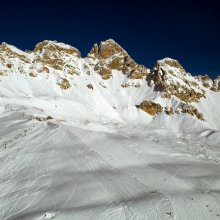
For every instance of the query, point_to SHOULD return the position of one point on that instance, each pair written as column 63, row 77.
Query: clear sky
column 149, row 30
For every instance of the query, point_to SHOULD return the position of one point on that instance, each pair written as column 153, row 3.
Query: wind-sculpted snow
column 54, row 170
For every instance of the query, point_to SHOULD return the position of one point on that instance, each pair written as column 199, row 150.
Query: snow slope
column 76, row 143
column 51, row 170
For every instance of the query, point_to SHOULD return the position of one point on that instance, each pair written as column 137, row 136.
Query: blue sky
column 149, row 30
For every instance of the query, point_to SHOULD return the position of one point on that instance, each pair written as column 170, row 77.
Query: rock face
column 189, row 109
column 53, row 49
column 64, row 83
column 173, row 91
column 168, row 76
column 213, row 85
column 10, row 53
column 154, row 109
column 151, row 108
column 46, row 55
column 52, row 54
column 110, row 56
column 90, row 86
column 9, row 56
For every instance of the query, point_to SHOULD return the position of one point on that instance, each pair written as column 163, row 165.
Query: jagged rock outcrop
column 10, row 53
column 64, row 83
column 216, row 85
column 150, row 107
column 208, row 83
column 9, row 56
column 53, row 49
column 154, row 109
column 46, row 55
column 110, row 56
column 191, row 110
column 58, row 56
column 90, row 86
column 169, row 77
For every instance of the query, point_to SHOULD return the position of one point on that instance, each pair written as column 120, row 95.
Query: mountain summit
column 107, row 85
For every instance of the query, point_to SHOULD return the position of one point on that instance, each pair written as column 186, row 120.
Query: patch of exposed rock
column 189, row 109
column 90, row 86
column 169, row 110
column 64, row 84
column 131, row 84
column 154, row 109
column 216, row 85
column 150, row 107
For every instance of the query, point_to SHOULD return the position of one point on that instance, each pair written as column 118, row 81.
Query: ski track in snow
column 50, row 170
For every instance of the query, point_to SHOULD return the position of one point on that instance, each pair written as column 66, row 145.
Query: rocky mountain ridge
column 167, row 88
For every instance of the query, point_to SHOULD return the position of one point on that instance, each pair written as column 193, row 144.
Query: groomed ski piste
column 86, row 153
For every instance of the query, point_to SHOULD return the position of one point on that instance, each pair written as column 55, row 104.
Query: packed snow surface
column 52, row 170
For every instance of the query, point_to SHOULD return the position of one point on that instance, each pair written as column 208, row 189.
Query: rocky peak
column 56, row 55
column 170, row 63
column 54, row 47
column 169, row 77
column 12, row 59
column 46, row 55
column 106, row 49
column 169, row 68
column 111, row 56
column 10, row 53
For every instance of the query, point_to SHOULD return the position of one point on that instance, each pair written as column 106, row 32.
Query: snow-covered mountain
column 107, row 86
column 103, row 137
